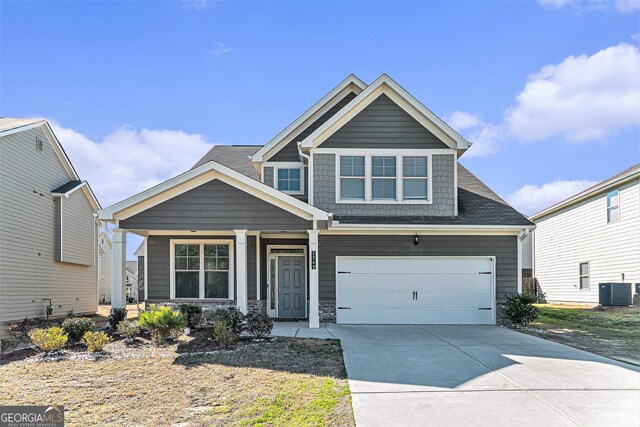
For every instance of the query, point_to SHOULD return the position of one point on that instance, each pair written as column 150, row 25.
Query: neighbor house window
column 584, row 275
column 352, row 177
column 613, row 212
column 202, row 269
column 415, row 178
column 383, row 177
column 290, row 180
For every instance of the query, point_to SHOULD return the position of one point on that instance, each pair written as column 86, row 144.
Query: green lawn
column 612, row 332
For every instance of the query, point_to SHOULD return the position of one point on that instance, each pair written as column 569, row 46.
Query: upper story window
column 613, row 211
column 415, row 178
column 383, row 179
column 290, row 180
column 352, row 177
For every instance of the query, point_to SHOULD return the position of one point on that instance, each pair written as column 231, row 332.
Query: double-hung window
column 374, row 178
column 290, row 180
column 584, row 275
column 613, row 200
column 415, row 178
column 383, row 177
column 202, row 269
column 352, row 178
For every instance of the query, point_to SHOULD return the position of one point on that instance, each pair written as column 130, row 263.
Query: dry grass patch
column 610, row 331
column 284, row 382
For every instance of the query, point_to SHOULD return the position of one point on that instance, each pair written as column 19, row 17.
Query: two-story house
column 48, row 227
column 590, row 238
column 357, row 212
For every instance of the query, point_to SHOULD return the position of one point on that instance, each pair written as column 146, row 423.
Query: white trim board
column 201, row 175
column 385, row 85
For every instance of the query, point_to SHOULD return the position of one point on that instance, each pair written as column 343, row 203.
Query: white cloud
column 197, row 4
column 635, row 36
column 221, row 49
column 128, row 161
column 485, row 137
column 579, row 6
column 461, row 120
column 530, row 199
column 582, row 98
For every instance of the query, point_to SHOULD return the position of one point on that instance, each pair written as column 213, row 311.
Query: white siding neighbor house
column 590, row 238
column 104, row 268
column 47, row 227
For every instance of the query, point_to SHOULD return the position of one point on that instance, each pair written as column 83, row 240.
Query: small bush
column 258, row 324
column 50, row 339
column 162, row 322
column 69, row 314
column 520, row 309
column 232, row 317
column 193, row 314
column 117, row 315
column 223, row 334
column 128, row 330
column 96, row 341
column 76, row 327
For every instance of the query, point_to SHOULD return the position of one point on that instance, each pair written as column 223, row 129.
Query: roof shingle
column 236, row 157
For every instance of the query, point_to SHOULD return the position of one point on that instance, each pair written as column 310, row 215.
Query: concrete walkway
column 478, row 375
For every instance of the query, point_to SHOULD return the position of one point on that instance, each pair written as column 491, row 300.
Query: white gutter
column 337, row 226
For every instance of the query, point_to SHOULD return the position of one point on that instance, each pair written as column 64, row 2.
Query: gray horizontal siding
column 383, row 124
column 289, row 153
column 141, row 295
column 215, row 206
column 502, row 247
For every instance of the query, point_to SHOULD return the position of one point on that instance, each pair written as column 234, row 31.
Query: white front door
column 415, row 290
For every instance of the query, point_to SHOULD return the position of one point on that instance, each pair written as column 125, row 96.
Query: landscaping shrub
column 520, row 309
column 258, row 324
column 76, row 327
column 223, row 334
column 69, row 314
column 193, row 314
column 96, row 341
column 117, row 315
column 232, row 317
column 50, row 339
column 128, row 330
column 162, row 322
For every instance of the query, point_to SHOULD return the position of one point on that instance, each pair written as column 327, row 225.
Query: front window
column 352, row 177
column 289, row 180
column 613, row 199
column 414, row 178
column 202, row 270
column 383, row 181
column 584, row 275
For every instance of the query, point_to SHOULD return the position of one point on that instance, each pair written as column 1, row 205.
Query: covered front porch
column 271, row 271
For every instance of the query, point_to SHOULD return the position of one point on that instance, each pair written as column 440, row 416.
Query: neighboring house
column 590, row 238
column 357, row 212
column 132, row 281
column 104, row 268
column 47, row 226
column 139, row 254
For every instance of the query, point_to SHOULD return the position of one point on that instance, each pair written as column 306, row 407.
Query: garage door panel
column 414, row 290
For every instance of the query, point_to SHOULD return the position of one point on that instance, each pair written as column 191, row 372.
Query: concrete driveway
column 481, row 375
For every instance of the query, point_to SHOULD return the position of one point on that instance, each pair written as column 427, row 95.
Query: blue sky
column 549, row 91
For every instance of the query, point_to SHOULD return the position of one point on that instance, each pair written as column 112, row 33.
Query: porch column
column 119, row 269
column 241, row 270
column 314, row 293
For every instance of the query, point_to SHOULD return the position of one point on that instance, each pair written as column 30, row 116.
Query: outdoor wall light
column 416, row 240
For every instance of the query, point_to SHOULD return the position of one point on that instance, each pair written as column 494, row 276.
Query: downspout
column 309, row 172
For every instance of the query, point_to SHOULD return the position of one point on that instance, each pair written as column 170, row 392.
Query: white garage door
column 424, row 290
